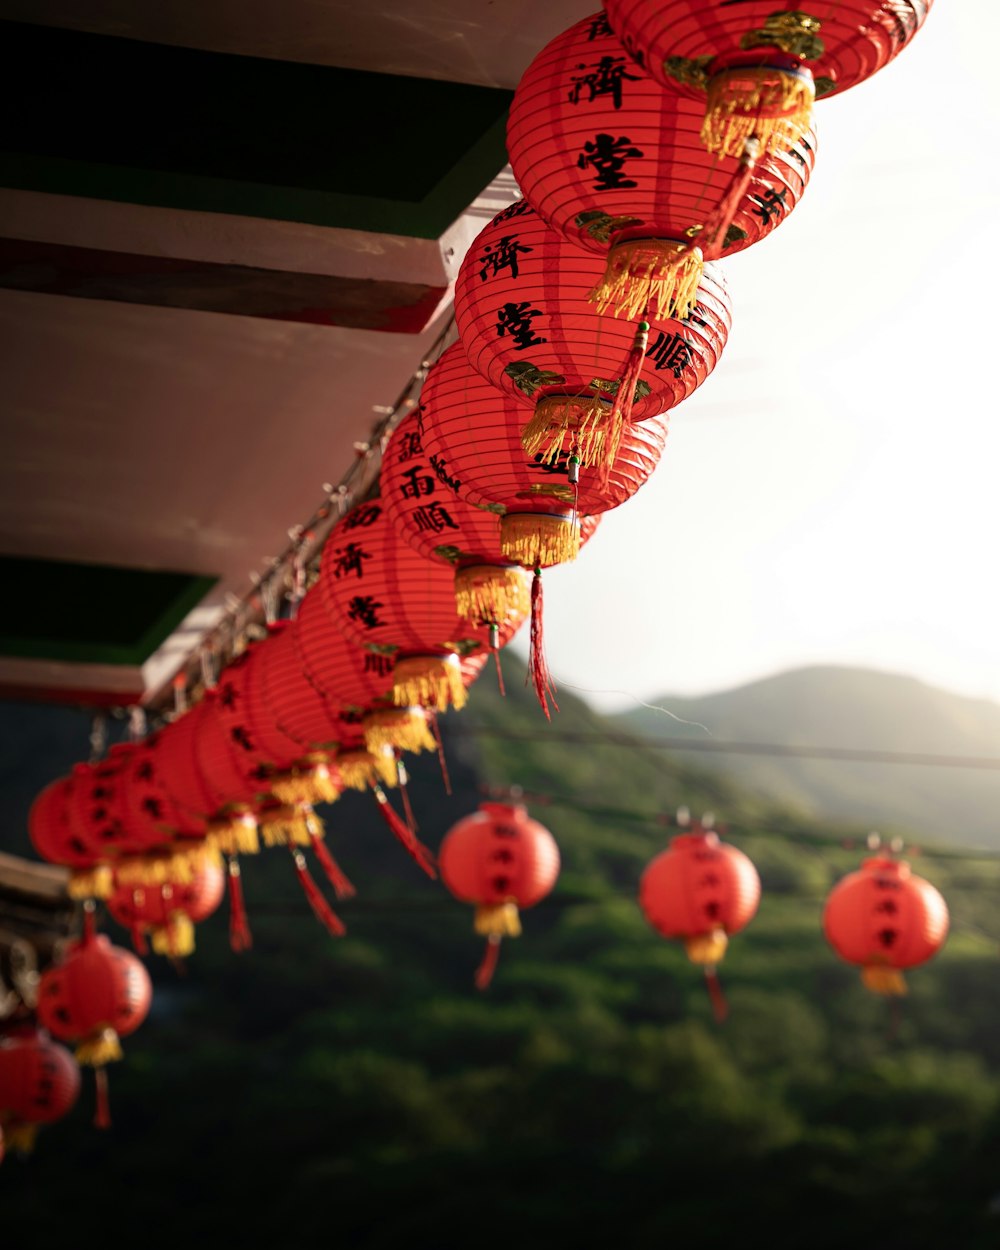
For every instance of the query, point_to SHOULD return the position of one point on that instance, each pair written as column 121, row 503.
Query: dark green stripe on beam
column 146, row 123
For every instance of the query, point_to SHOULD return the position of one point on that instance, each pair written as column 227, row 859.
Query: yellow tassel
column 580, row 423
column 103, row 1048
column 650, row 276
column 178, row 865
column 307, row 781
column 431, row 681
column 487, row 593
column 405, row 728
column 757, row 101
column 539, row 539
column 362, row 768
column 291, row 824
column 91, row 882
column 234, row 832
column 174, row 938
column 881, row 979
column 498, row 920
column 707, row 948
column 20, row 1137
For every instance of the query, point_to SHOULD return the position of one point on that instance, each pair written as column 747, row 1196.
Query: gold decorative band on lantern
column 431, row 681
column 771, row 103
column 96, row 882
column 309, row 780
column 540, row 539
column 707, row 948
column 657, row 277
column 177, row 864
column 360, row 768
column 498, row 920
column 581, row 423
column 289, row 824
column 881, row 979
column 405, row 728
column 491, row 593
column 233, row 830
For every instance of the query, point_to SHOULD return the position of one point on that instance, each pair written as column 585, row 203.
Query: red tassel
column 321, row 908
column 440, row 753
column 102, row 1104
column 484, row 973
column 719, row 1005
column 138, row 939
column 712, row 237
column 496, row 660
column 538, row 670
column 621, row 411
column 334, row 873
column 240, row 938
column 413, row 846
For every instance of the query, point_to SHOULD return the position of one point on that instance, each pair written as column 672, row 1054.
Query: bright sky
column 831, row 493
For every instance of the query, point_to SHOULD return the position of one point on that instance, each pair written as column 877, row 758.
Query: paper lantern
column 527, row 324
column 757, row 67
column 442, row 526
column 168, row 912
column 699, row 891
column 615, row 164
column 55, row 839
column 502, row 861
column 96, row 994
column 39, row 1084
column 885, row 918
column 384, row 596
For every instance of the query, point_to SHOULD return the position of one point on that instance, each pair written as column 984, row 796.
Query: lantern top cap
column 503, row 807
column 695, row 838
column 886, row 865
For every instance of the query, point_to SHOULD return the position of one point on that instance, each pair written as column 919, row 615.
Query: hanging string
column 102, row 1101
column 495, row 649
column 334, row 873
column 491, row 956
column 416, row 849
column 402, row 783
column 98, row 737
column 321, row 908
column 538, row 671
column 720, row 1008
column 436, row 731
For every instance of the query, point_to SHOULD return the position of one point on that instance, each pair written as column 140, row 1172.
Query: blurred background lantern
column 169, row 911
column 500, row 860
column 615, row 164
column 55, row 840
column 93, row 996
column 885, row 918
column 699, row 891
column 39, row 1084
column 758, row 66
column 527, row 324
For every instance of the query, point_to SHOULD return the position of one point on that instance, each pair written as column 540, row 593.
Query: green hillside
column 849, row 709
column 359, row 1091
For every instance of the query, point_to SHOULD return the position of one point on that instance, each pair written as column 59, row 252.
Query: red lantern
column 169, row 911
column 758, row 66
column 56, row 840
column 39, row 1084
column 384, row 596
column 616, row 165
column 94, row 996
column 584, row 375
column 699, row 891
column 500, row 860
column 885, row 918
column 440, row 525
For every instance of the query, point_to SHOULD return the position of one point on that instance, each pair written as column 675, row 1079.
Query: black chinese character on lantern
column 349, row 560
column 228, row 695
column 770, row 204
column 600, row 27
column 240, row 736
column 380, row 665
column 441, row 471
column 364, row 609
column 408, row 445
column 414, row 484
column 502, row 255
column 517, row 209
column 670, row 351
column 362, row 517
column 153, row 807
column 145, row 771
column 559, row 464
column 432, row 518
column 604, row 78
column 515, row 320
column 607, row 155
